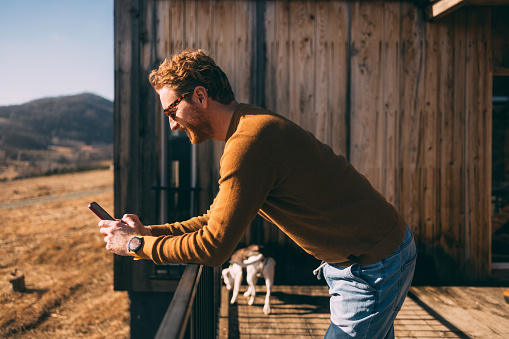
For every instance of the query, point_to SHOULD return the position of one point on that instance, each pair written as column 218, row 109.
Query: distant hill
column 66, row 121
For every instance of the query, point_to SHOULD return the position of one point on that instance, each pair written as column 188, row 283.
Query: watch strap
column 133, row 251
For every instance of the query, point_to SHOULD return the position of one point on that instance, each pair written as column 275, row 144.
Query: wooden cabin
column 403, row 89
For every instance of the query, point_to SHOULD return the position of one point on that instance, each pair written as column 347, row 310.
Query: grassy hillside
column 85, row 118
column 55, row 133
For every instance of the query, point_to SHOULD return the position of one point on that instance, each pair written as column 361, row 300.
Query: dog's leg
column 268, row 274
column 227, row 278
column 251, row 281
column 249, row 291
column 237, row 274
column 249, row 278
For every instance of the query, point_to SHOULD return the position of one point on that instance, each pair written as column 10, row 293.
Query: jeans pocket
column 408, row 264
column 356, row 274
column 405, row 280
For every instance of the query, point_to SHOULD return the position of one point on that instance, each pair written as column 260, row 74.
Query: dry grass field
column 48, row 234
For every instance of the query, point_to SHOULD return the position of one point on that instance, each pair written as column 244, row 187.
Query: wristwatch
column 134, row 245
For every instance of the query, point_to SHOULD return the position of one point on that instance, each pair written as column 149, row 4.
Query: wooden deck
column 428, row 312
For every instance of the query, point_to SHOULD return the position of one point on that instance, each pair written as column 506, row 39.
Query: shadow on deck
column 296, row 312
column 303, row 312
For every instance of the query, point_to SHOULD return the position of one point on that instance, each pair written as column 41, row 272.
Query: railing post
column 193, row 311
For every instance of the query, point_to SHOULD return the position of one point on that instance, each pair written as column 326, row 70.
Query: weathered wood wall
column 135, row 146
column 407, row 101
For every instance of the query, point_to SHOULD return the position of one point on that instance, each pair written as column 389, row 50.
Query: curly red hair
column 191, row 68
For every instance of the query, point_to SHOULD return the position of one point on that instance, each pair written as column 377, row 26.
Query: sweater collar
column 234, row 122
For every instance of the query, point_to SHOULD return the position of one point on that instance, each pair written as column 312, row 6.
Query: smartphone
column 99, row 211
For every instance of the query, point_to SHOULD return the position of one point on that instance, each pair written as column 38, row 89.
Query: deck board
column 428, row 312
column 480, row 312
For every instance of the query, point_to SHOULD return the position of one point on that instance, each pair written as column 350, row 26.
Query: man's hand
column 117, row 233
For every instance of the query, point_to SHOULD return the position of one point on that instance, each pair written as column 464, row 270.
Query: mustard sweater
column 273, row 167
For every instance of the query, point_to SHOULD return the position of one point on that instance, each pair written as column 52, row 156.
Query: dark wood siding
column 406, row 100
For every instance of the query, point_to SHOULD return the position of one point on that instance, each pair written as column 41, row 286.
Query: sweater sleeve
column 179, row 228
column 246, row 180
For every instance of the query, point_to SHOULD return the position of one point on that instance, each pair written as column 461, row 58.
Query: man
column 272, row 167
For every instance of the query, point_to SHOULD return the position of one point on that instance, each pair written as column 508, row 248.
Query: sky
column 55, row 47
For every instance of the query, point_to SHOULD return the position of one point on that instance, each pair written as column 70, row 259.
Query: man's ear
column 202, row 95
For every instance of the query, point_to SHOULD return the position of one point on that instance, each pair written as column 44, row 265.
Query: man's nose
column 173, row 124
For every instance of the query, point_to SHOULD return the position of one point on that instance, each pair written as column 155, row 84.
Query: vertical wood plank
column 485, row 247
column 471, row 152
column 223, row 36
column 243, row 49
column 456, row 231
column 322, row 66
column 365, row 96
column 450, row 205
column 390, row 102
column 478, row 144
column 411, row 94
column 338, row 76
column 378, row 117
column 302, row 22
column 428, row 185
column 144, row 173
column 177, row 24
column 271, row 56
column 190, row 24
column 163, row 35
column 204, row 24
column 123, row 31
column 282, row 62
column 147, row 173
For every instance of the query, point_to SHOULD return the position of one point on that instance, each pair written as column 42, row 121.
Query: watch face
column 134, row 244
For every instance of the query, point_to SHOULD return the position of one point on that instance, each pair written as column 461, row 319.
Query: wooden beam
column 501, row 71
column 442, row 7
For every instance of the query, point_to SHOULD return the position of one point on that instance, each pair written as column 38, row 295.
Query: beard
column 198, row 127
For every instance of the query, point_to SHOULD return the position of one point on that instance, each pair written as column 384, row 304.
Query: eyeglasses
column 168, row 110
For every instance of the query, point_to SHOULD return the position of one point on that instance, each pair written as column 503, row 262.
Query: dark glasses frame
column 174, row 104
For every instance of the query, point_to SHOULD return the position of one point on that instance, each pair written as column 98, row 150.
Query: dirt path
column 48, row 234
column 65, row 196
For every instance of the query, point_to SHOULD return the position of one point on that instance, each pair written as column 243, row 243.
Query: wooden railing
column 193, row 311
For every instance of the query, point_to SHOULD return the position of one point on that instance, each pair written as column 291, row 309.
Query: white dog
column 256, row 265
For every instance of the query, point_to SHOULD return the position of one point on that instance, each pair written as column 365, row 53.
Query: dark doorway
column 500, row 173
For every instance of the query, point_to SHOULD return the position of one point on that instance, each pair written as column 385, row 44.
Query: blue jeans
column 365, row 299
